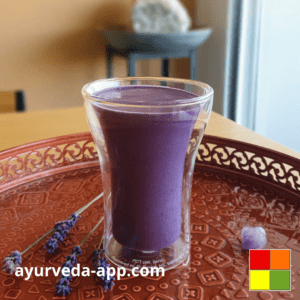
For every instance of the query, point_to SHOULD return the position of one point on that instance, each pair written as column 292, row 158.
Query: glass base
column 128, row 258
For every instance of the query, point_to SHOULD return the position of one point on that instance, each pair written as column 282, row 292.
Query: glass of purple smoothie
column 147, row 132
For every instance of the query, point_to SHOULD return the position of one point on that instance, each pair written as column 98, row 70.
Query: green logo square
column 280, row 280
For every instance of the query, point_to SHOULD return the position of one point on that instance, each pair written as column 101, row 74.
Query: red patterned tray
column 235, row 184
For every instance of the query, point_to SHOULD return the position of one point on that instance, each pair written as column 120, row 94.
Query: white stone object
column 253, row 238
column 160, row 16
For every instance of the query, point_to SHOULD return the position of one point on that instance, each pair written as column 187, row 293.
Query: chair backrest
column 12, row 101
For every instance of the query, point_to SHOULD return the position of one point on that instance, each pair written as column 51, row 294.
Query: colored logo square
column 259, row 259
column 259, row 280
column 280, row 259
column 280, row 280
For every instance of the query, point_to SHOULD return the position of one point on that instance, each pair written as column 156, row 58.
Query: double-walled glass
column 147, row 131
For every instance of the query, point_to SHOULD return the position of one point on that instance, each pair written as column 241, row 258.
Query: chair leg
column 165, row 67
column 131, row 66
column 193, row 64
column 109, row 57
column 20, row 101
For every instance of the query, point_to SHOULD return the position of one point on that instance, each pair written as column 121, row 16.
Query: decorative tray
column 235, row 184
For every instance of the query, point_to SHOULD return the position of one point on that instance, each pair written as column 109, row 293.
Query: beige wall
column 50, row 49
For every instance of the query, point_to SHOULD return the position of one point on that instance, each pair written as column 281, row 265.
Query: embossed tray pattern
column 235, row 184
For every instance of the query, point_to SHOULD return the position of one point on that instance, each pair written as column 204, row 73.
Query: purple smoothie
column 147, row 152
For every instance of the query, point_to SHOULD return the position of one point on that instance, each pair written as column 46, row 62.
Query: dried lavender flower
column 72, row 258
column 61, row 229
column 63, row 285
column 77, row 250
column 101, row 262
column 12, row 261
column 51, row 245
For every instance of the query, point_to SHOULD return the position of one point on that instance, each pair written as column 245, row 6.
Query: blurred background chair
column 12, row 101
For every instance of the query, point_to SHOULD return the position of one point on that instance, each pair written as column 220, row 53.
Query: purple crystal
column 253, row 238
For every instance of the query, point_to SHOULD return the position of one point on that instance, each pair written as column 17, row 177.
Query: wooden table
column 268, row 200
column 23, row 128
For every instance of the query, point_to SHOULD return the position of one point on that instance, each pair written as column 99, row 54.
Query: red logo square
column 259, row 259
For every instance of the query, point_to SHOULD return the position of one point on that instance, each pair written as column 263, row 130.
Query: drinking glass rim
column 181, row 102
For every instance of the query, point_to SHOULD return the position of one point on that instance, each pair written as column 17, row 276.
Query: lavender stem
column 95, row 227
column 77, row 212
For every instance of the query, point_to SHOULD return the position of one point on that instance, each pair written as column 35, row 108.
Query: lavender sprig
column 61, row 229
column 14, row 260
column 63, row 285
column 101, row 262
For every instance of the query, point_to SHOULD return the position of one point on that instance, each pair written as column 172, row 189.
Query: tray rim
column 239, row 146
column 213, row 138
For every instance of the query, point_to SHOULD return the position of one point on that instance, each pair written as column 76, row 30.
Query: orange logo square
column 280, row 259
